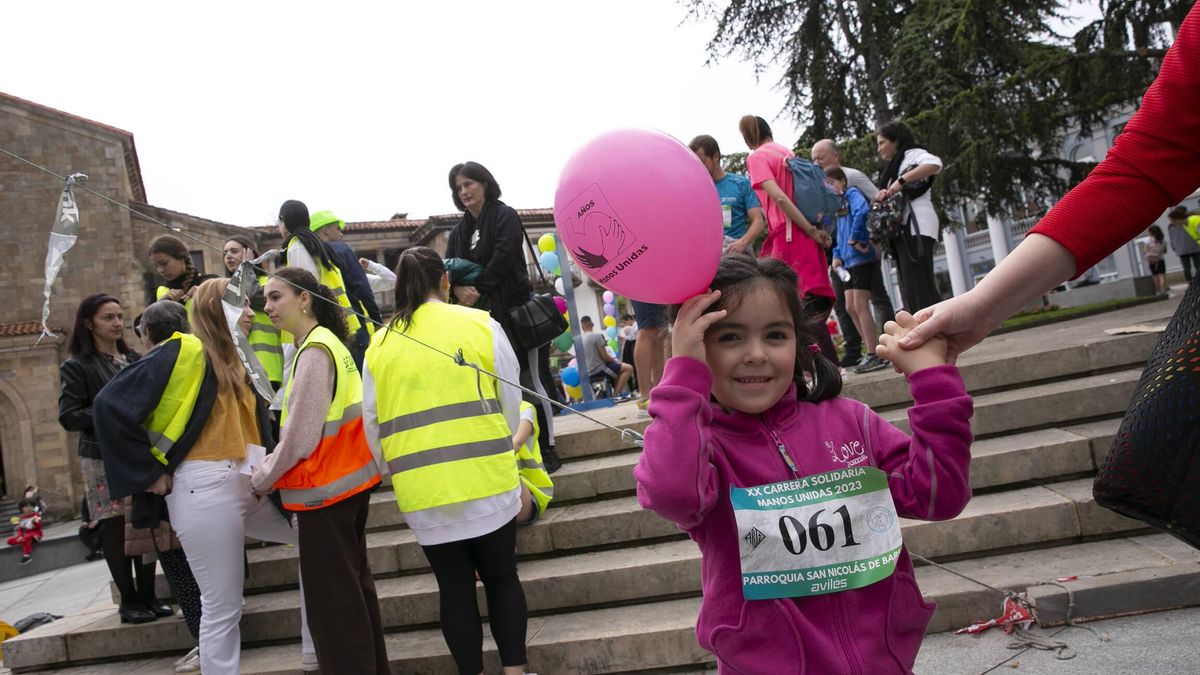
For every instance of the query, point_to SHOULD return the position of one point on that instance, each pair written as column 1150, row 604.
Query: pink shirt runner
column 802, row 253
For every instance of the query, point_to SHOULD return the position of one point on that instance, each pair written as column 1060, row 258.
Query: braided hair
column 174, row 247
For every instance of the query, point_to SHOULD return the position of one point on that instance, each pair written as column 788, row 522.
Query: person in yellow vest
column 173, row 262
column 265, row 338
column 304, row 250
column 445, row 431
column 183, row 423
column 324, row 471
column 536, row 487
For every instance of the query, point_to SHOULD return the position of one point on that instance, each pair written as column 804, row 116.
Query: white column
column 998, row 236
column 956, row 255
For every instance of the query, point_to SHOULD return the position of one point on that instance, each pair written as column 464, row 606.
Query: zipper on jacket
column 844, row 633
column 782, row 449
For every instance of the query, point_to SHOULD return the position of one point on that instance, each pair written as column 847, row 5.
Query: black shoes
column 25, row 560
column 136, row 614
column 160, row 609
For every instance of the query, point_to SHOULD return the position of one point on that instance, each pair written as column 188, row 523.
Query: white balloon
column 558, row 286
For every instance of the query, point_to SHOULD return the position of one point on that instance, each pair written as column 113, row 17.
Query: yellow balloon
column 546, row 242
column 573, row 392
column 610, row 321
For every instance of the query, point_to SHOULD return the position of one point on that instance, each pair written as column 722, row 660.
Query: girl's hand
column 175, row 294
column 687, row 337
column 467, row 295
column 908, row 361
column 823, row 238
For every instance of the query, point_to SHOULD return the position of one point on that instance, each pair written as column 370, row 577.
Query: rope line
column 627, row 435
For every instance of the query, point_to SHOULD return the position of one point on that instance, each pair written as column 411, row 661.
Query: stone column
column 998, row 236
column 956, row 257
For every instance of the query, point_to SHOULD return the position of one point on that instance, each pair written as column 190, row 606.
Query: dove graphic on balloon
column 640, row 214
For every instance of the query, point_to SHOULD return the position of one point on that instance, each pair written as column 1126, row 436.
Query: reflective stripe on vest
column 265, row 341
column 332, row 277
column 442, row 443
column 169, row 418
column 342, row 465
column 532, row 471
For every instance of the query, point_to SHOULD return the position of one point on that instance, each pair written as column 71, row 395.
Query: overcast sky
column 363, row 107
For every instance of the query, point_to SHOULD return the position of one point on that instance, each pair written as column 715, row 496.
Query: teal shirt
column 737, row 197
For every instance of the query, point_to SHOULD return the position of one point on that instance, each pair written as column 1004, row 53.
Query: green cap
column 322, row 218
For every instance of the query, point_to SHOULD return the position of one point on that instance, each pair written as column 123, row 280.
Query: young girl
column 173, row 262
column 1154, row 249
column 803, row 570
column 853, row 251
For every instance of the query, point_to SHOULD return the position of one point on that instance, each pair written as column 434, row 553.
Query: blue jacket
column 357, row 285
column 853, row 227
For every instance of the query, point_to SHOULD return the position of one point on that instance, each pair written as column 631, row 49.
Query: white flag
column 62, row 238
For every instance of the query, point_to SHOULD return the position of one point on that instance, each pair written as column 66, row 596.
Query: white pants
column 212, row 511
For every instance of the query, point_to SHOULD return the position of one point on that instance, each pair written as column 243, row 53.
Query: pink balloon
column 573, row 363
column 608, row 297
column 639, row 213
column 561, row 303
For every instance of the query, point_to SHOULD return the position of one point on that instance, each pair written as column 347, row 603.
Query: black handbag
column 538, row 321
column 1152, row 471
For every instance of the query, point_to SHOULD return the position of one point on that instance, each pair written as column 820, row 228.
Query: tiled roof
column 394, row 224
column 23, row 328
column 415, row 223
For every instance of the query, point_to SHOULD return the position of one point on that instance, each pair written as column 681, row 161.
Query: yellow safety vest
column 267, row 343
column 168, row 419
column 444, row 437
column 332, row 277
column 1193, row 227
column 161, row 292
column 529, row 466
column 342, row 465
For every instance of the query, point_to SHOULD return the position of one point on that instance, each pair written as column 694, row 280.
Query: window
column 198, row 261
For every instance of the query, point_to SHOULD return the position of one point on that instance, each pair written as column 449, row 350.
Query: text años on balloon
column 585, row 208
column 623, row 264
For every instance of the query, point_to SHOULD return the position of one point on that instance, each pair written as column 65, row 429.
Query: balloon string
column 628, row 435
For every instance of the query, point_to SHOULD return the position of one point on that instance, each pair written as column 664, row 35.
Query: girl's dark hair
column 755, row 130
column 244, row 242
column 294, row 215
column 706, row 143
column 81, row 343
column 737, row 275
column 327, row 312
column 899, row 133
column 478, row 173
column 1157, row 233
column 418, row 273
column 836, row 173
column 31, row 503
column 174, row 247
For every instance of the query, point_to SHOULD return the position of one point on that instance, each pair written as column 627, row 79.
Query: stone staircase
column 612, row 588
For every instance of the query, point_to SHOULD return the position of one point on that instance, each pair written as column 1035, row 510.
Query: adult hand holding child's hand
column 933, row 352
column 687, row 337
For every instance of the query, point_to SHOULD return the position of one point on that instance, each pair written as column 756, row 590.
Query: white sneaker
column 189, row 663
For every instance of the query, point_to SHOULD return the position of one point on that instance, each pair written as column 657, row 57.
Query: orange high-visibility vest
column 342, row 464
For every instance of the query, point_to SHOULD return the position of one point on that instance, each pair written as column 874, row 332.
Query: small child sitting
column 28, row 529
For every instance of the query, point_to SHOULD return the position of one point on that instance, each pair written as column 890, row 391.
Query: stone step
column 1038, row 515
column 1116, row 576
column 1015, row 360
column 1054, row 404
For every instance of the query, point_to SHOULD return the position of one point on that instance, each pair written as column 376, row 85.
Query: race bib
column 824, row 533
column 727, row 215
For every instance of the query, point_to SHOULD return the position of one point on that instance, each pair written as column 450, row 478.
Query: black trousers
column 914, row 262
column 339, row 591
column 454, row 564
column 1191, row 265
column 881, row 304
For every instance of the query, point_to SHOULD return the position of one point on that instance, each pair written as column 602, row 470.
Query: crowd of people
column 177, row 449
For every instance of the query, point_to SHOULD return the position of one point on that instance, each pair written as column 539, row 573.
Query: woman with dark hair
column 325, row 471
column 264, row 337
column 910, row 172
column 173, row 262
column 446, row 434
column 304, row 250
column 491, row 234
column 98, row 353
column 803, row 251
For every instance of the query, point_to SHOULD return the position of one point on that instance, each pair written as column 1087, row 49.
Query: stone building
column 109, row 257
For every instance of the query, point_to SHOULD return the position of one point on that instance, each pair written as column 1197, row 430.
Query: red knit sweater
column 1153, row 165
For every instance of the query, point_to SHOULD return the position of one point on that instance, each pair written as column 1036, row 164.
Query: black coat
column 82, row 377
column 499, row 249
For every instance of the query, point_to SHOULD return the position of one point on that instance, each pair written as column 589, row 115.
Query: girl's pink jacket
column 694, row 452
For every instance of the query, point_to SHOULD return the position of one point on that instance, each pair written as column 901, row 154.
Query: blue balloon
column 549, row 261
column 611, row 332
column 610, row 309
column 570, row 376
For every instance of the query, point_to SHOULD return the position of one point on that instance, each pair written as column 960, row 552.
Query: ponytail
column 326, row 309
column 418, row 274
column 755, row 130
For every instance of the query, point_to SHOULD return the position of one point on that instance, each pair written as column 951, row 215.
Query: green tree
column 986, row 85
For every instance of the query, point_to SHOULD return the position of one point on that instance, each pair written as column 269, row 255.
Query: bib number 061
column 796, row 538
